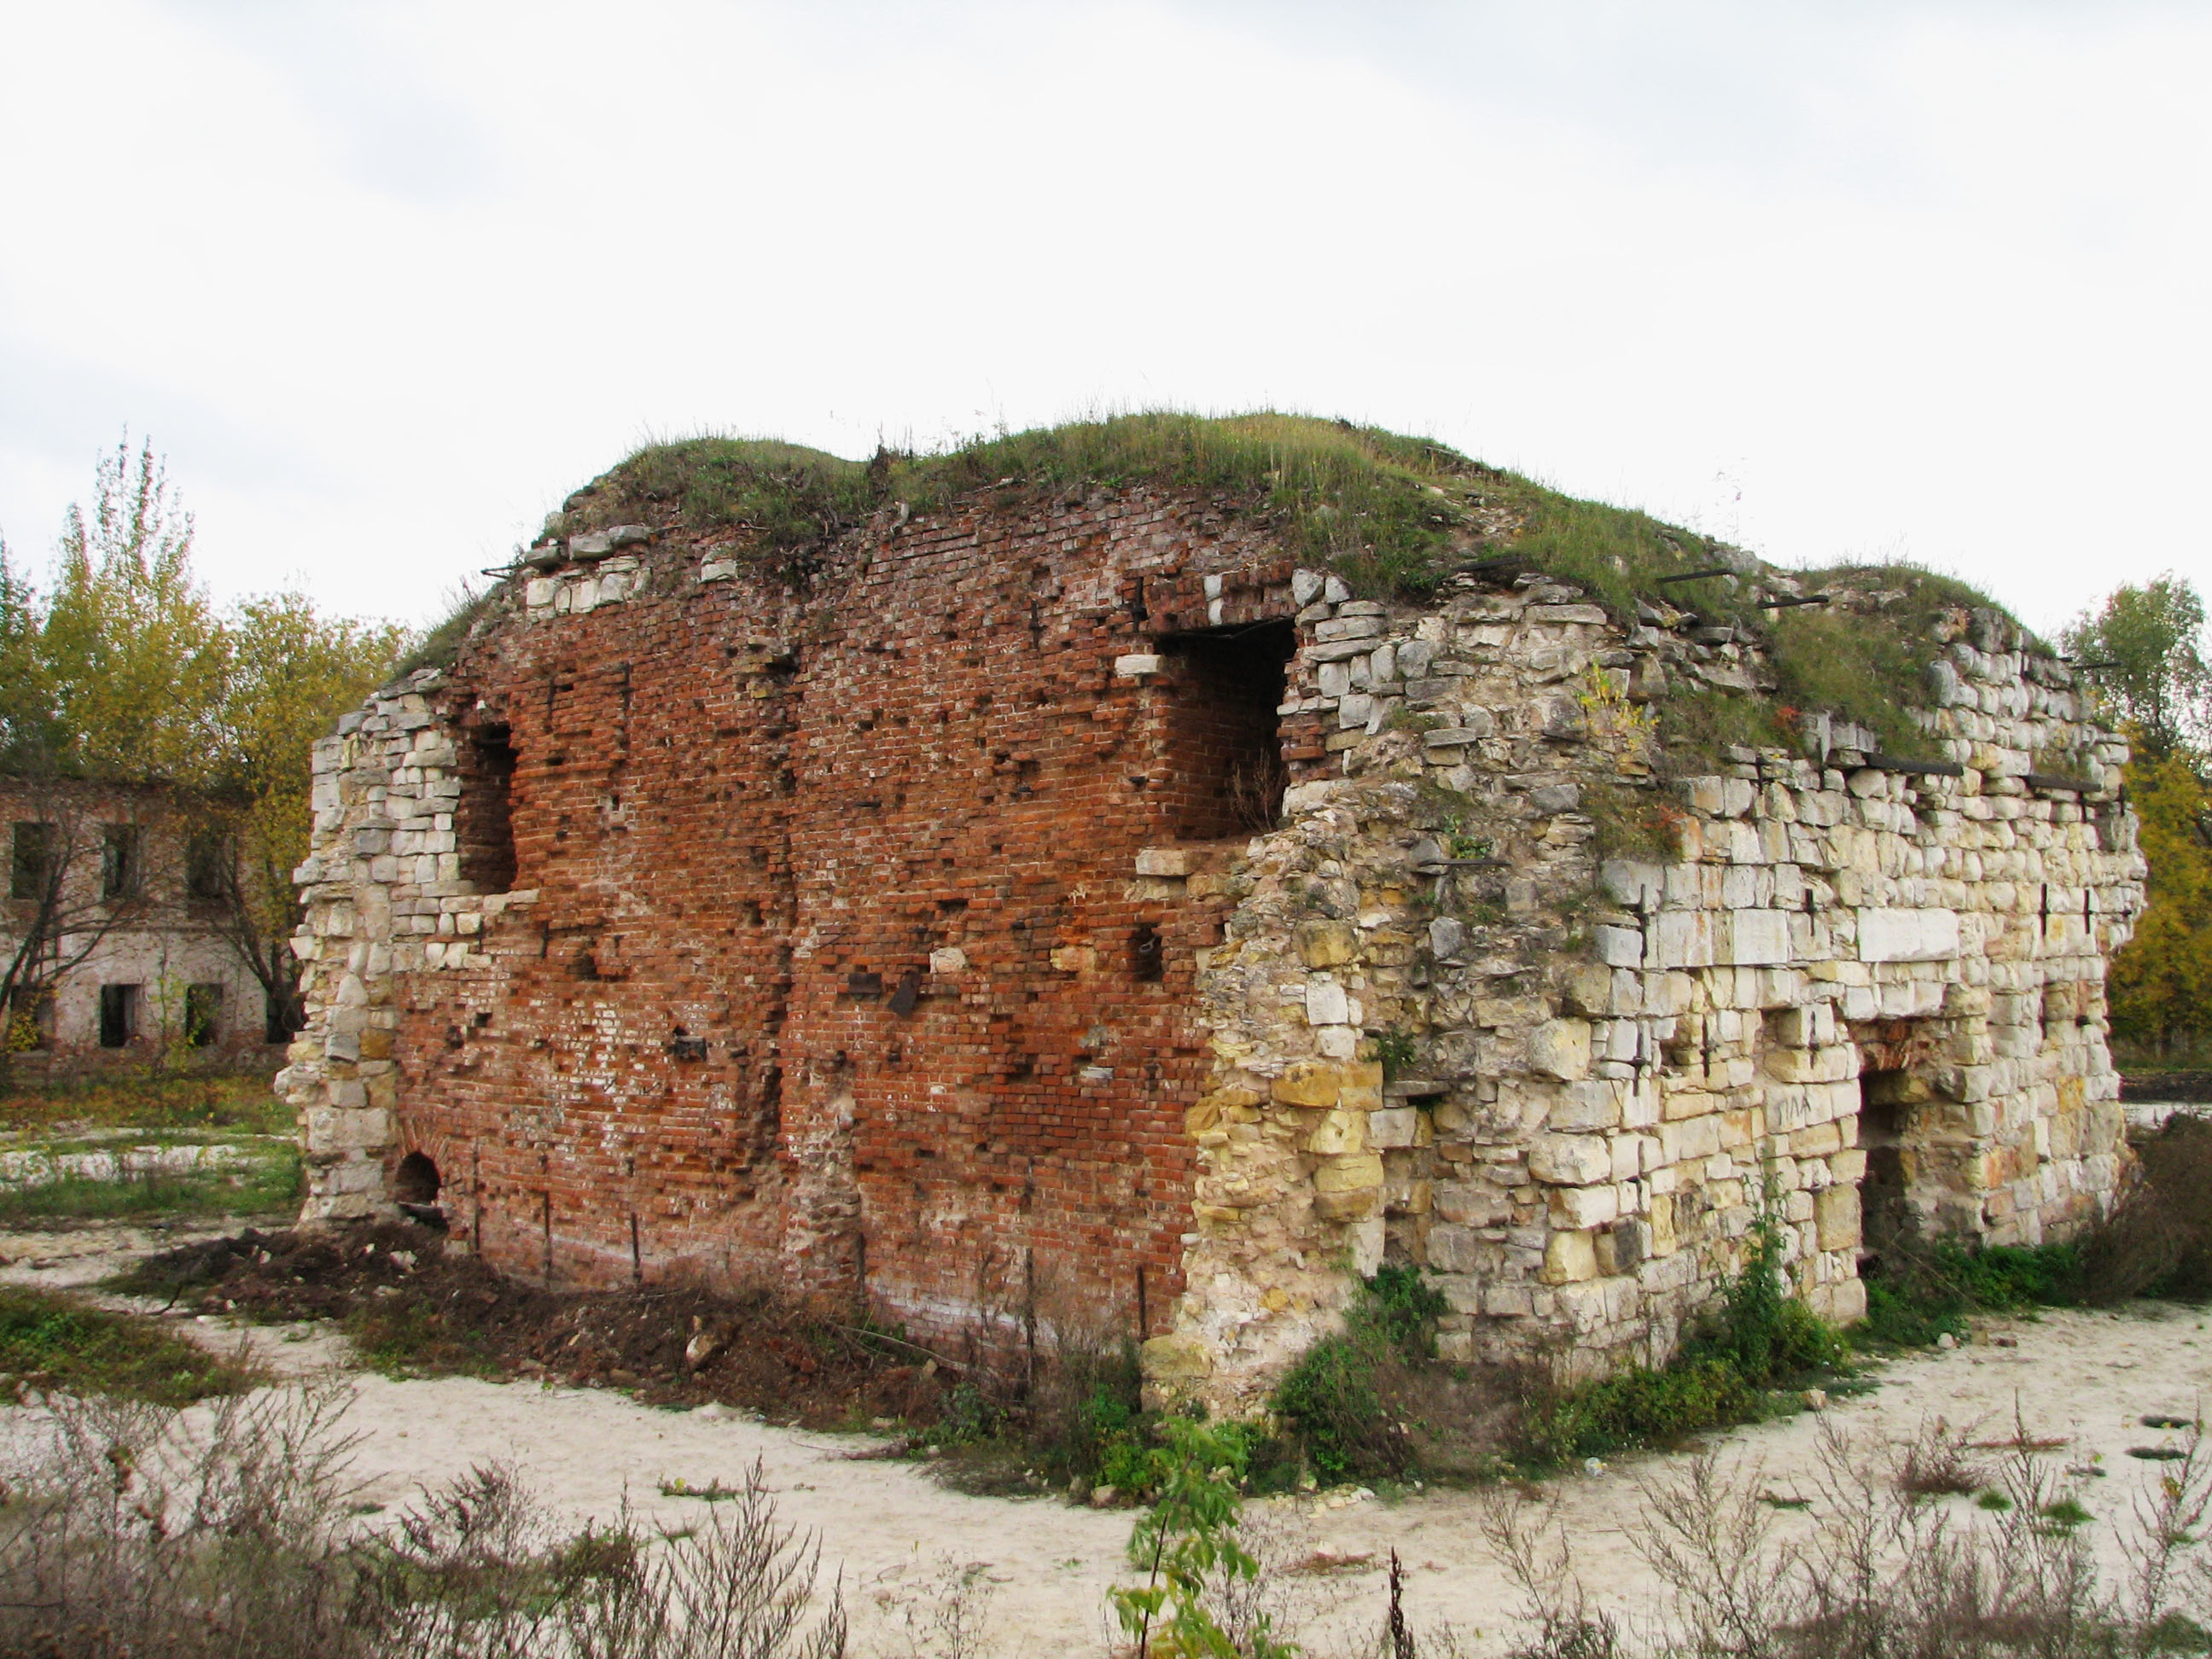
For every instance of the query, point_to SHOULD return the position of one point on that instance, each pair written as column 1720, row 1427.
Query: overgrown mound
column 1396, row 517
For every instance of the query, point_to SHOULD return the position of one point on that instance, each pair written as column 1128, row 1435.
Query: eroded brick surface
column 749, row 829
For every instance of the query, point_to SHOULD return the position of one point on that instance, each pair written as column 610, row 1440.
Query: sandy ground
column 891, row 1531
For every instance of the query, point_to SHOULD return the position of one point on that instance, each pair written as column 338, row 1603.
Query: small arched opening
column 415, row 1186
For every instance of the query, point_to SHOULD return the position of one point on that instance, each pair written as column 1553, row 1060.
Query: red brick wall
column 751, row 816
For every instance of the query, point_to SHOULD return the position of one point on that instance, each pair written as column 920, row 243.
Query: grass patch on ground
column 268, row 1184
column 1928, row 1290
column 51, row 1340
column 136, row 1101
column 119, row 1113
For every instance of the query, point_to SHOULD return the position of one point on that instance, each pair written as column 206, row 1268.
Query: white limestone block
column 1326, row 1003
column 1559, row 1049
column 1757, row 938
column 1887, row 935
column 1571, row 1160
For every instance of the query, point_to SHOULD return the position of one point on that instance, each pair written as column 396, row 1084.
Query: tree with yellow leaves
column 125, row 671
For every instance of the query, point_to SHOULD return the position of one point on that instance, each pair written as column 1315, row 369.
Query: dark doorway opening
column 118, row 1015
column 484, row 819
column 1223, row 745
column 1887, row 1102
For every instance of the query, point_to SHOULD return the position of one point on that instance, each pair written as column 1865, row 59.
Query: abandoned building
column 113, row 935
column 1072, row 907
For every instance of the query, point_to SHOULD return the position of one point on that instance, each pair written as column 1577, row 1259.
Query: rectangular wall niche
column 1221, row 738
column 484, row 819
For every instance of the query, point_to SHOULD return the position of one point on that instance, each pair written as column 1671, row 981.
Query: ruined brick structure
column 1008, row 925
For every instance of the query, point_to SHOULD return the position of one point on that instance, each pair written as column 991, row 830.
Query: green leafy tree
column 1185, row 1543
column 2160, row 677
column 25, row 707
column 2161, row 980
column 131, row 646
column 287, row 674
column 2160, row 681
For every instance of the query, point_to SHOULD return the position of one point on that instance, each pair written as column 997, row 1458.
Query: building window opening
column 415, row 1188
column 208, row 867
column 31, row 860
column 118, row 1015
column 118, row 862
column 202, row 1015
column 483, row 819
column 1224, row 737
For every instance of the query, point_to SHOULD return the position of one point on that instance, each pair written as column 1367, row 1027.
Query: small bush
column 1332, row 1398
column 1759, row 1341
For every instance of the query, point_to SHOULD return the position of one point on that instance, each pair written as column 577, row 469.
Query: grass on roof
column 1393, row 516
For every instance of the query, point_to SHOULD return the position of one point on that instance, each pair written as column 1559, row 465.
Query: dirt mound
column 412, row 1307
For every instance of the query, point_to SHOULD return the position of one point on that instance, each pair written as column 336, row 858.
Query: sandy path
column 889, row 1527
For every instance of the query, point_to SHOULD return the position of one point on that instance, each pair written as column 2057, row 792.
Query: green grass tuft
column 51, row 1340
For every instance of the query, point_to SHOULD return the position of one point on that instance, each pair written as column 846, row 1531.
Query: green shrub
column 1641, row 1407
column 1926, row 1289
column 1759, row 1341
column 1331, row 1398
column 1402, row 1307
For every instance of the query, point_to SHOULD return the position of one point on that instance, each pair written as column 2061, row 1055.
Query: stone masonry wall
column 157, row 943
column 1608, row 1063
column 928, row 933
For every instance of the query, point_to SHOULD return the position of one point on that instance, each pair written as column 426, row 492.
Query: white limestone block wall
column 1604, row 1068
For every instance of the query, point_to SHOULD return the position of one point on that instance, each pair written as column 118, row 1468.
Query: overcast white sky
column 384, row 282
